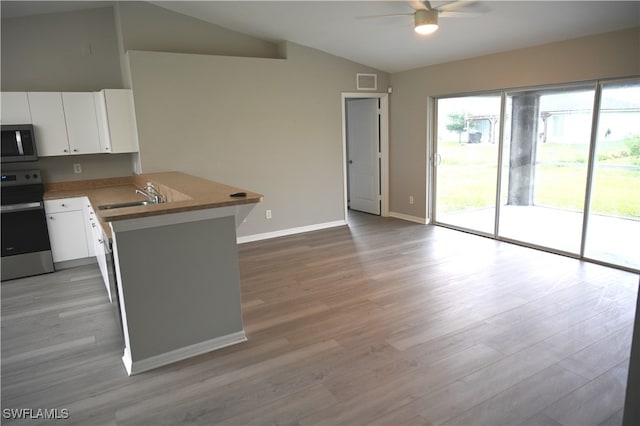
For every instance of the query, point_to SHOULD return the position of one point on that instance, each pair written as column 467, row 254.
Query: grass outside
column 467, row 178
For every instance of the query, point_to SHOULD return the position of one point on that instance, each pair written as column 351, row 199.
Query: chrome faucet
column 152, row 194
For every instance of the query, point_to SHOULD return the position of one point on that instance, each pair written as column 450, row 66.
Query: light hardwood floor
column 381, row 323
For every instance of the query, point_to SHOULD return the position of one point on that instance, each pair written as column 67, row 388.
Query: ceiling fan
column 426, row 16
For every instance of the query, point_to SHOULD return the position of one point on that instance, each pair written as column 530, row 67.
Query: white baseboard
column 420, row 220
column 290, row 231
column 136, row 367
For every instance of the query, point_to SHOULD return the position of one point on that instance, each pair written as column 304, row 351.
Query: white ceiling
column 389, row 43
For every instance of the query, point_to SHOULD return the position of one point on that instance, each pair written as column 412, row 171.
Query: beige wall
column 272, row 126
column 73, row 51
column 50, row 53
column 602, row 56
column 147, row 27
column 151, row 28
column 224, row 108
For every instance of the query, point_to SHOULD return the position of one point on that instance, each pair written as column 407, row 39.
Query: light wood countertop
column 183, row 193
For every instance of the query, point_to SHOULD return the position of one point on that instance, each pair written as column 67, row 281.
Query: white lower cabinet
column 90, row 224
column 65, row 221
column 75, row 233
column 101, row 254
column 96, row 240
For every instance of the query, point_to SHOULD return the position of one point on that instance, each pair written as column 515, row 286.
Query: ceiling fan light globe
column 426, row 29
column 426, row 21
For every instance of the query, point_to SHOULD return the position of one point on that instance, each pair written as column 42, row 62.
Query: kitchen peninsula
column 176, row 262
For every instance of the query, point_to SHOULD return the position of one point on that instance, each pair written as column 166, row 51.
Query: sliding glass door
column 563, row 176
column 467, row 161
column 544, row 168
column 613, row 232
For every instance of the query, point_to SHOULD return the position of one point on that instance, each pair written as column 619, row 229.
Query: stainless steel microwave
column 18, row 143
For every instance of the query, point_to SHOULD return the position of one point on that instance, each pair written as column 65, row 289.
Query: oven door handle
column 21, row 207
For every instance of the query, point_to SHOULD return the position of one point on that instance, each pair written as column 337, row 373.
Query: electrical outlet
column 410, row 199
column 267, row 214
column 77, row 168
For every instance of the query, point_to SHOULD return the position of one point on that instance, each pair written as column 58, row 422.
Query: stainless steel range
column 25, row 239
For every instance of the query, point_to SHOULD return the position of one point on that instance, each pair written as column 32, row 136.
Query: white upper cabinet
column 82, row 123
column 64, row 123
column 103, row 123
column 15, row 108
column 116, row 121
column 50, row 128
column 75, row 123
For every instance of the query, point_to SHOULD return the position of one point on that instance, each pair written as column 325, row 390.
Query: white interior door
column 363, row 147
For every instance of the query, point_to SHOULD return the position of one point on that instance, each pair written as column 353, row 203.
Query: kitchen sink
column 122, row 205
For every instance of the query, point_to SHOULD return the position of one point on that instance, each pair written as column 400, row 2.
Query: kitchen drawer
column 63, row 205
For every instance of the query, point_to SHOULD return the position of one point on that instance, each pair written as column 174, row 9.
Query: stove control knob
column 35, row 176
column 27, row 176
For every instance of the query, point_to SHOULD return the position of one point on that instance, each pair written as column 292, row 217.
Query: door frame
column 384, row 148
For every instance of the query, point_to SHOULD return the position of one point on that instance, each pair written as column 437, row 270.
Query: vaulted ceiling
column 390, row 43
column 347, row 28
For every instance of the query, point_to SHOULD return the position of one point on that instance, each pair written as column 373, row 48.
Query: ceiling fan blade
column 450, row 5
column 388, row 15
column 420, row 5
column 455, row 14
column 472, row 6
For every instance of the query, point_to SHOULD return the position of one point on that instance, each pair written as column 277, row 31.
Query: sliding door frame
column 432, row 134
column 595, row 119
column 503, row 104
column 433, row 160
column 591, row 171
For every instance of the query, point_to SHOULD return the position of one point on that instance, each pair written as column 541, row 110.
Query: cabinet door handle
column 75, row 150
column 65, row 150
